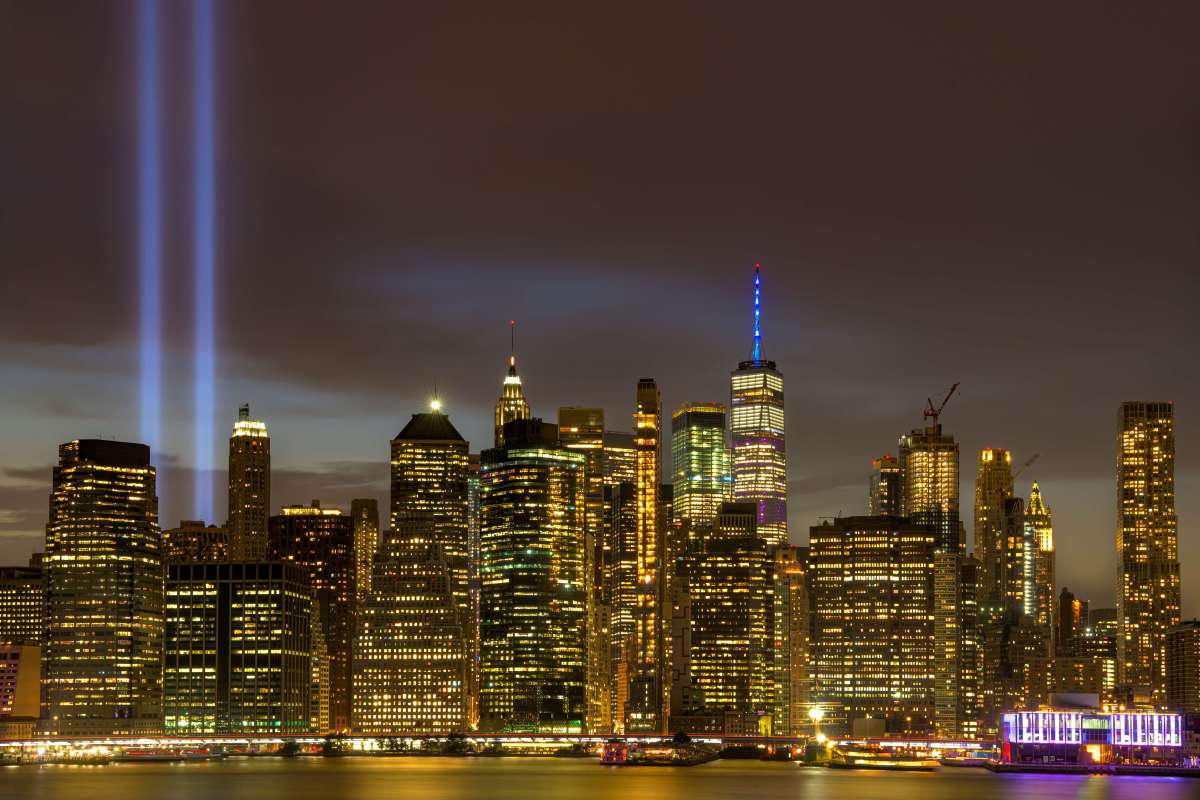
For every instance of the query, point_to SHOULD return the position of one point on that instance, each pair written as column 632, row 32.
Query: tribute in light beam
column 149, row 224
column 204, row 257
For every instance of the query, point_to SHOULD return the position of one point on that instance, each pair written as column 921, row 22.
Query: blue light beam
column 203, row 233
column 149, row 225
column 757, row 314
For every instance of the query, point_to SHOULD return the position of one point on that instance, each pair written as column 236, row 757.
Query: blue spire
column 757, row 314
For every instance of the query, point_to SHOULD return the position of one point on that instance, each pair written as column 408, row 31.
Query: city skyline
column 602, row 225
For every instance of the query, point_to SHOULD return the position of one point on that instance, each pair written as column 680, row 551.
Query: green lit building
column 237, row 649
column 534, row 583
column 699, row 462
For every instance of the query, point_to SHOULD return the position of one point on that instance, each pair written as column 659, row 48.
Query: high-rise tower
column 993, row 485
column 929, row 480
column 102, row 668
column 249, row 487
column 512, row 403
column 365, row 511
column 756, row 423
column 1147, row 542
column 1041, row 603
column 699, row 462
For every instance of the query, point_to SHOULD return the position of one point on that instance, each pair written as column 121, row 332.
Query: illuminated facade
column 620, row 458
column 884, row 487
column 957, row 652
column 1017, row 666
column 102, row 653
column 410, row 658
column 534, row 583
column 237, row 653
column 993, row 485
column 872, row 590
column 790, row 642
column 1147, row 542
column 1183, row 667
column 20, row 684
column 429, row 472
column 731, row 590
column 756, row 421
column 512, row 403
column 249, row 487
column 620, row 590
column 645, row 704
column 699, row 462
column 582, row 430
column 1083, row 737
column 929, row 484
column 21, row 605
column 1015, row 570
column 193, row 541
column 322, row 541
column 1039, row 600
column 365, row 513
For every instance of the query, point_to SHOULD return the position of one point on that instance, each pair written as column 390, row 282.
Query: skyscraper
column 410, row 658
column 534, row 583
column 22, row 598
column 700, row 467
column 365, row 513
column 644, row 707
column 1041, row 535
column 512, row 403
column 929, row 480
column 993, row 485
column 249, row 487
column 756, row 423
column 1183, row 667
column 430, row 465
column 957, row 650
column 791, row 645
column 238, row 650
column 620, row 458
column 102, row 658
column 193, row 541
column 322, row 541
column 1147, row 542
column 872, row 590
column 883, row 487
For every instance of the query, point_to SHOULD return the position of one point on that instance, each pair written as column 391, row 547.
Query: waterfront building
column 249, row 487
column 1099, row 643
column 534, row 583
column 756, row 424
column 1087, row 736
column 1183, row 667
column 790, row 642
column 321, row 540
column 993, row 485
column 644, row 706
column 731, row 582
column 474, row 489
column 884, row 487
column 700, row 467
column 21, row 605
column 365, row 513
column 1147, row 543
column 321, row 677
column 512, row 403
column 957, row 648
column 620, row 590
column 929, row 484
column 1015, row 568
column 410, row 658
column 193, row 541
column 1017, row 665
column 872, row 590
column 102, row 651
column 1040, row 534
column 20, row 688
column 237, row 652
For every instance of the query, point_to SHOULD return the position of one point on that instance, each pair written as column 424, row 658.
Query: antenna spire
column 757, row 355
column 512, row 347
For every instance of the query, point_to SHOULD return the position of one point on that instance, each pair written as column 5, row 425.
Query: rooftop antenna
column 512, row 346
column 757, row 354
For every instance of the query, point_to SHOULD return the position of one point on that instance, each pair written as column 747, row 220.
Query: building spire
column 512, row 347
column 757, row 354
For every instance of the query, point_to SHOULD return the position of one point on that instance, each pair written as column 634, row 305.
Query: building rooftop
column 430, row 426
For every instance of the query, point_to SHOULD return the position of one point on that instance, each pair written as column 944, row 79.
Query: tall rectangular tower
column 104, row 593
column 929, row 480
column 249, row 488
column 699, row 463
column 1147, row 542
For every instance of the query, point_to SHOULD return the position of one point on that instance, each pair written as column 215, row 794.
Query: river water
column 551, row 779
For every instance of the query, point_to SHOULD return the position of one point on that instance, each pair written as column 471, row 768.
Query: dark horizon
column 1003, row 198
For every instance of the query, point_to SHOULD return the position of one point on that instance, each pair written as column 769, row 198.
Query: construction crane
column 930, row 411
column 1026, row 465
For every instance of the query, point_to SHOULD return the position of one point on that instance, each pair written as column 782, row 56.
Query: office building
column 620, row 458
column 993, row 485
column 756, row 422
column 957, row 647
column 1040, row 602
column 1071, row 622
column 534, row 583
column 512, row 403
column 193, row 541
column 102, row 651
column 1147, row 543
column 21, row 603
column 1183, row 667
column 410, row 660
column 249, row 487
column 237, row 653
column 929, row 484
column 884, row 487
column 790, row 642
column 700, row 467
column 872, row 590
column 20, row 687
column 321, row 540
column 365, row 513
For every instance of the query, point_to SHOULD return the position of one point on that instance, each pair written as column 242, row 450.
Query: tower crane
column 930, row 411
column 1026, row 465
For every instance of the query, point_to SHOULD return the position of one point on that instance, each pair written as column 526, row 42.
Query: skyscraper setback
column 1147, row 542
column 249, row 487
column 757, row 427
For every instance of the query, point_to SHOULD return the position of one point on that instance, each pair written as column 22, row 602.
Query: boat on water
column 141, row 755
column 878, row 758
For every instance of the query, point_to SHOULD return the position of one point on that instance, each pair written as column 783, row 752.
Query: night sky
column 1004, row 196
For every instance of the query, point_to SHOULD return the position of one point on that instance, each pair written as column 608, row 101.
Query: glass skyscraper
column 699, row 462
column 249, row 487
